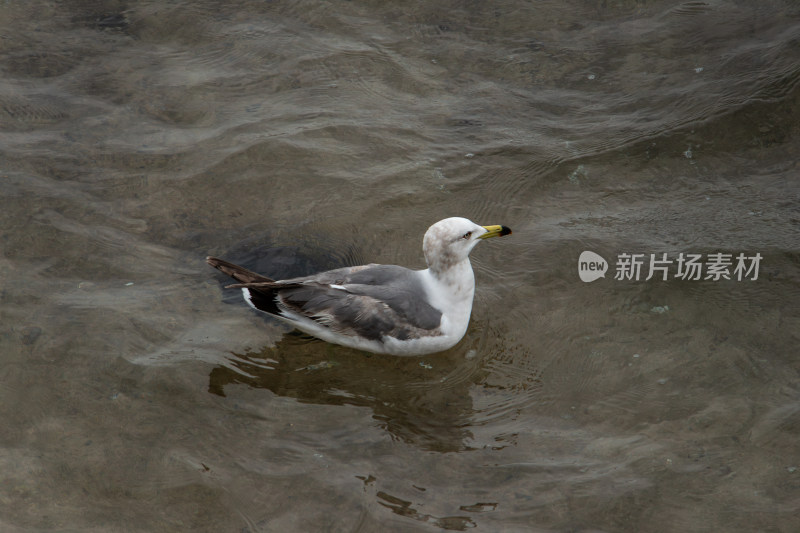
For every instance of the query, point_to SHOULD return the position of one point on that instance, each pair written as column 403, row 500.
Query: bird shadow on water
column 422, row 401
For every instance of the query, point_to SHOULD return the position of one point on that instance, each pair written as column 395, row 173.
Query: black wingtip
column 261, row 300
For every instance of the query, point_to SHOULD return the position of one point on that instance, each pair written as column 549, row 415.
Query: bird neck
column 458, row 277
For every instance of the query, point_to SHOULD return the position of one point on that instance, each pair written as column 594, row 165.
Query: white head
column 449, row 241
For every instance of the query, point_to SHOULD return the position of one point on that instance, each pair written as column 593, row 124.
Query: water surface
column 138, row 137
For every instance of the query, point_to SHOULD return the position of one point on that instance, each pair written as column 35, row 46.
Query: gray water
column 136, row 394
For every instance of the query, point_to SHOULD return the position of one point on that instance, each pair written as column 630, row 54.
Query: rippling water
column 138, row 137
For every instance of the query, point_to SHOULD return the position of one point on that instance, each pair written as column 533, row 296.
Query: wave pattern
column 294, row 136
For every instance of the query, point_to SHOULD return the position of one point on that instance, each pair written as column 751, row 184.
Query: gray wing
column 370, row 301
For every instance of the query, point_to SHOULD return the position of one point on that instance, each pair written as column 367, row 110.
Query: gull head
column 449, row 241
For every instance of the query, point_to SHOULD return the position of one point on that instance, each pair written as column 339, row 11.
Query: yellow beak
column 495, row 231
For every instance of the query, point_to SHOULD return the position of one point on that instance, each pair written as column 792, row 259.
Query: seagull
column 385, row 309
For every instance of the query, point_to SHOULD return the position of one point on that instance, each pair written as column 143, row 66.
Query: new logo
column 591, row 266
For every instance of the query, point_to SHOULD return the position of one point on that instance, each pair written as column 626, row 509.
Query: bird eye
column 467, row 235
